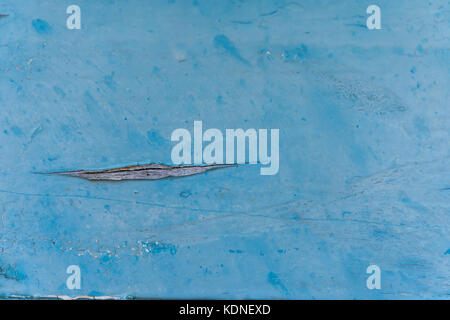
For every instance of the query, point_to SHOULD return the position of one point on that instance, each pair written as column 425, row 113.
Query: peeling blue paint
column 364, row 152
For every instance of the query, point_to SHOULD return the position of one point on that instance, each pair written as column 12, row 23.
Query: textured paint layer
column 364, row 173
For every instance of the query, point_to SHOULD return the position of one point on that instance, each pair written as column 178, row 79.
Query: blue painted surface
column 364, row 148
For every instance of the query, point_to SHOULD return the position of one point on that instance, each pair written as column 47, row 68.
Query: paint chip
column 152, row 171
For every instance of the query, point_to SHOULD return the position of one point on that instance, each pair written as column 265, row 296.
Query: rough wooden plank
column 364, row 172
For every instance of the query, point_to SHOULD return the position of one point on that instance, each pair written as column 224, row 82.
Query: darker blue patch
column 296, row 53
column 242, row 21
column 109, row 81
column 41, row 26
column 154, row 138
column 380, row 234
column 274, row 280
column 16, row 130
column 344, row 213
column 447, row 252
column 105, row 258
column 90, row 102
column 95, row 293
column 185, row 194
column 222, row 41
column 410, row 203
column 158, row 247
column 420, row 49
column 60, row 92
column 421, row 127
column 10, row 272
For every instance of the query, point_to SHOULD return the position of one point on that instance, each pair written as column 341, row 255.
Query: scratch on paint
column 152, row 171
column 3, row 15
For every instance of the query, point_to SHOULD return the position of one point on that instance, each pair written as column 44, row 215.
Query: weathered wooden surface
column 364, row 118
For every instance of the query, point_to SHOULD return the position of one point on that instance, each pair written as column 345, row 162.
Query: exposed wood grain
column 152, row 171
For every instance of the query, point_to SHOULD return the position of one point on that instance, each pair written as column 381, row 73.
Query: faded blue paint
column 364, row 148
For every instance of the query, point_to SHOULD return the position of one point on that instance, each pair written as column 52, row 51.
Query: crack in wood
column 152, row 171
